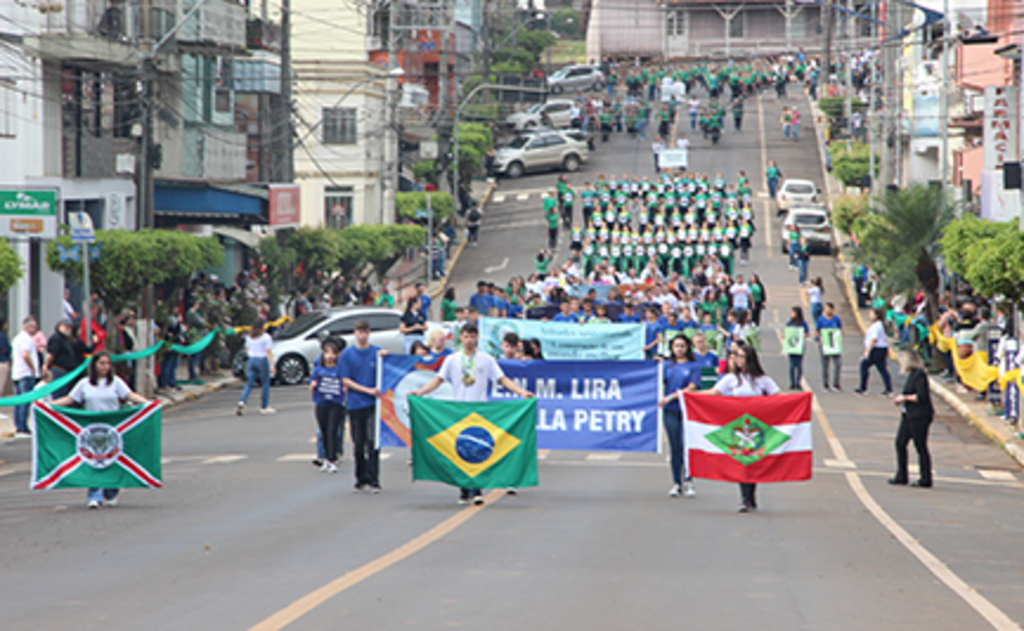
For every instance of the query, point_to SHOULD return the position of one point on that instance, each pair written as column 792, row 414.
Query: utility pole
column 485, row 37
column 890, row 42
column 287, row 170
column 947, row 31
column 389, row 178
column 826, row 46
column 848, row 27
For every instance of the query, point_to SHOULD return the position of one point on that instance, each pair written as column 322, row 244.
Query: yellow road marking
column 764, row 148
column 984, row 607
column 314, row 599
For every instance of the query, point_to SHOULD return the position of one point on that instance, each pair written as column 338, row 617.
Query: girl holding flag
column 681, row 373
column 745, row 378
column 102, row 391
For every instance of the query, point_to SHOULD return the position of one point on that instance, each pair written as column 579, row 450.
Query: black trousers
column 917, row 431
column 877, row 357
column 366, row 455
column 748, row 494
column 329, row 418
column 552, row 238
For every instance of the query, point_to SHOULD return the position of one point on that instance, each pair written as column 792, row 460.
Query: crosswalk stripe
column 996, row 474
column 225, row 459
column 296, row 457
column 497, row 199
column 605, row 457
column 523, row 197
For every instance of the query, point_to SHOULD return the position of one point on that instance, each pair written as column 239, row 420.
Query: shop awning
column 207, row 201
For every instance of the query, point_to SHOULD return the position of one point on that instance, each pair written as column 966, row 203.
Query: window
column 735, row 26
column 7, row 107
column 225, row 84
column 339, row 126
column 343, row 326
column 675, row 24
column 382, row 321
column 338, row 207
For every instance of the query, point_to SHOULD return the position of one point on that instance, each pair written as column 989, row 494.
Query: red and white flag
column 749, row 439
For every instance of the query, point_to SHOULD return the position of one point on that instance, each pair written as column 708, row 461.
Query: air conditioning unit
column 373, row 43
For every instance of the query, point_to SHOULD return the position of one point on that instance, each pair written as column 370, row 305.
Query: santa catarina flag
column 474, row 445
column 110, row 450
column 749, row 439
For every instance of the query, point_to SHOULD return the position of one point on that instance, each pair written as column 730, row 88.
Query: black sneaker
column 860, row 391
column 744, row 508
column 358, row 488
column 318, row 462
column 897, row 480
column 511, row 491
column 375, row 489
column 478, row 500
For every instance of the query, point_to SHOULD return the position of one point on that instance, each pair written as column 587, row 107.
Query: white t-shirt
column 733, row 385
column 258, row 346
column 683, row 143
column 69, row 310
column 740, row 296
column 814, row 294
column 485, row 371
column 876, row 332
column 19, row 368
column 103, row 397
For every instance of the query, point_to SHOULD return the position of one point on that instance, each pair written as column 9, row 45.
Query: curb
column 443, row 285
column 1011, row 446
column 171, row 400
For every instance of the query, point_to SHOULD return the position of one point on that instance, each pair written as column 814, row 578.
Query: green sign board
column 35, row 203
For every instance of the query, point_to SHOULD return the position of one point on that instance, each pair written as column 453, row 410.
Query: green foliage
column 131, row 260
column 566, row 22
column 485, row 111
column 10, row 266
column 848, row 209
column 379, row 245
column 902, row 239
column 988, row 255
column 479, row 129
column 406, row 205
column 515, row 61
column 851, row 166
column 426, row 171
column 833, row 106
column 535, row 42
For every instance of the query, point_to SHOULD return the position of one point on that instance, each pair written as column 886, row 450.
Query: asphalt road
column 246, row 529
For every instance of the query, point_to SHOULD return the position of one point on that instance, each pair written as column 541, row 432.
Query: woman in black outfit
column 914, row 421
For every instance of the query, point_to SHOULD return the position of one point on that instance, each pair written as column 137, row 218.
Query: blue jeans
column 193, row 361
column 796, row 131
column 792, row 253
column 57, row 373
column 796, row 369
column 773, row 186
column 673, row 421
column 169, row 371
column 801, row 265
column 611, row 90
column 785, row 131
column 21, row 386
column 257, row 368
column 693, row 120
column 641, row 128
column 100, row 495
column 817, row 309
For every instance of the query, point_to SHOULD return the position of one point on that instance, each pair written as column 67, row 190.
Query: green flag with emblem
column 831, row 341
column 793, row 340
column 474, row 445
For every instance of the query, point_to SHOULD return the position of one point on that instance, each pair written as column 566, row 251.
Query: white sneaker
column 268, row 410
column 330, row 467
column 111, row 502
column 676, row 489
column 238, row 410
column 94, row 504
column 689, row 490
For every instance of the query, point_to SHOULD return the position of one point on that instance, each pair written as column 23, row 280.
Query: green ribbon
column 55, row 385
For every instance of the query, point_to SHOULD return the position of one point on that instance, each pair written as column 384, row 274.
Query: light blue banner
column 567, row 340
column 580, row 291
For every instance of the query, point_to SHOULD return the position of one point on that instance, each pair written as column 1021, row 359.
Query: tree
column 379, row 245
column 426, row 171
column 989, row 255
column 567, row 22
column 847, row 210
column 131, row 260
column 10, row 266
column 535, row 42
column 850, row 166
column 407, row 205
column 902, row 241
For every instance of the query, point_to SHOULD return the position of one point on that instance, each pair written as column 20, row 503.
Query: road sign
column 28, row 214
column 81, row 228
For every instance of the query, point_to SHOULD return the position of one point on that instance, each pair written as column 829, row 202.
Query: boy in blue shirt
column 628, row 316
column 358, row 369
column 652, row 332
column 481, row 299
column 829, row 320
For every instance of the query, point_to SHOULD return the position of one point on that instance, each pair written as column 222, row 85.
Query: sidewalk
column 975, row 412
column 188, row 392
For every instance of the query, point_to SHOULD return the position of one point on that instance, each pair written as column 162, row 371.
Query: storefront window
column 338, row 207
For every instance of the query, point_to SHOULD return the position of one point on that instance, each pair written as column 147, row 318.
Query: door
column 559, row 114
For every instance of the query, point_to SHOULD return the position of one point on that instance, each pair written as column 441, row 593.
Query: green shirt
column 552, row 219
column 386, row 300
column 448, row 310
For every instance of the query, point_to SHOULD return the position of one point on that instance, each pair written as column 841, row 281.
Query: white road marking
column 983, row 606
column 515, row 224
column 764, row 148
column 522, row 197
column 497, row 199
column 768, row 229
column 542, row 454
column 385, row 456
column 604, row 457
column 296, row 457
column 835, row 463
column 996, row 474
column 225, row 459
column 497, row 268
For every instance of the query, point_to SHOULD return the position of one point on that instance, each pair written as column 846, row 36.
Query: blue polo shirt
column 361, row 367
column 678, row 376
column 707, row 360
column 828, row 323
column 482, row 303
column 425, row 303
column 629, row 319
column 329, row 390
column 651, row 331
column 563, row 317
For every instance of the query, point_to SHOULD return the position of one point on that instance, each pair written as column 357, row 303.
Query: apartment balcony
column 214, row 154
column 98, row 33
column 103, row 156
column 218, row 25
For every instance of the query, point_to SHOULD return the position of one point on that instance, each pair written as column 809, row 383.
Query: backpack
column 474, row 214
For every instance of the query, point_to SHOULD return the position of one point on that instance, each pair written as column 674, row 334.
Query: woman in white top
column 259, row 366
column 745, row 378
column 101, row 391
column 876, row 353
column 815, row 294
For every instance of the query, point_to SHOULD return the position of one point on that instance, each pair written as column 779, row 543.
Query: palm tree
column 901, row 241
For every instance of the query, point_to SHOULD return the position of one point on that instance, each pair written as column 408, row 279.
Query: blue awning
column 210, row 201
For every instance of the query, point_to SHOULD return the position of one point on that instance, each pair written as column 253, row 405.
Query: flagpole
column 87, row 307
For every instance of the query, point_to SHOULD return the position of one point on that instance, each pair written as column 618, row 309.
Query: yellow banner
column 277, row 322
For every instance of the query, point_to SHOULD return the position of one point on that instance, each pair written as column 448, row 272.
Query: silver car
column 554, row 113
column 794, row 193
column 574, row 78
column 540, row 152
column 813, row 224
column 297, row 345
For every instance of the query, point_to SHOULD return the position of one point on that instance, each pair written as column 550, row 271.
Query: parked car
column 794, row 192
column 575, row 78
column 555, row 113
column 297, row 345
column 813, row 224
column 573, row 133
column 531, row 152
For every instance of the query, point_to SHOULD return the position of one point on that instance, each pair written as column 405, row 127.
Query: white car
column 297, row 345
column 795, row 192
column 813, row 224
column 556, row 113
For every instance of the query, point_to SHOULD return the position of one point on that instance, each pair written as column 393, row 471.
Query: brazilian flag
column 474, row 445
